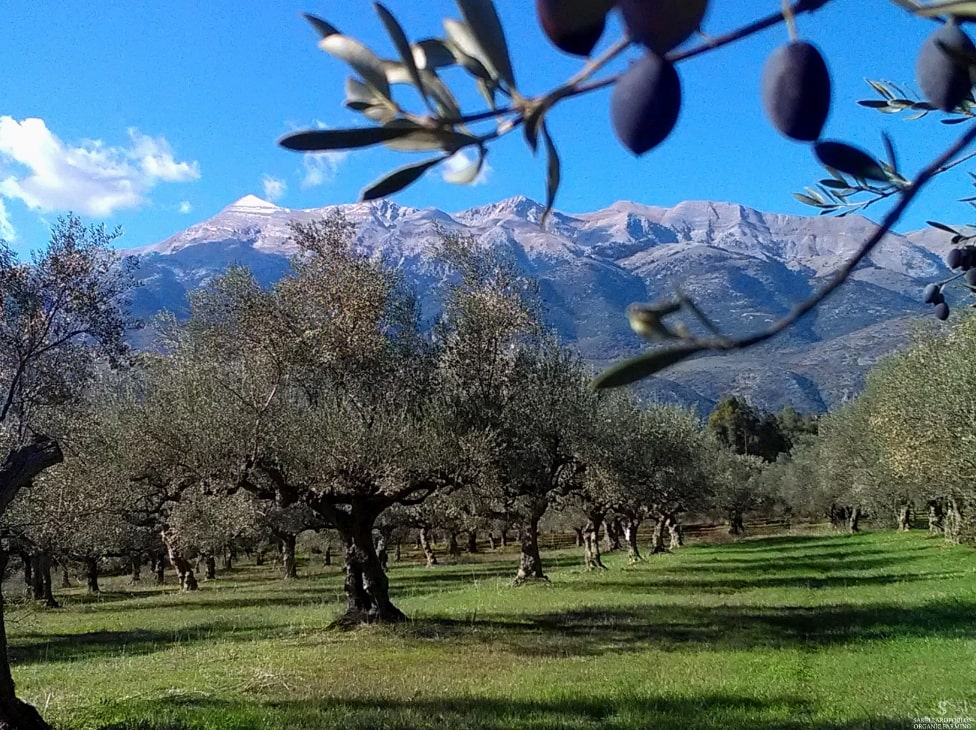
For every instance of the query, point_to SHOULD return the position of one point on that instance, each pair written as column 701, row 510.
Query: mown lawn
column 802, row 631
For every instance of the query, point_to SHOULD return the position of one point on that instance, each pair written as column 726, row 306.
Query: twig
column 841, row 275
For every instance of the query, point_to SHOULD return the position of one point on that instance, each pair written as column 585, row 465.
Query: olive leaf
column 431, row 53
column 399, row 179
column 322, row 27
column 482, row 19
column 316, row 140
column 466, row 50
column 362, row 60
column 642, row 366
column 402, row 45
column 959, row 8
column 850, row 160
column 552, row 174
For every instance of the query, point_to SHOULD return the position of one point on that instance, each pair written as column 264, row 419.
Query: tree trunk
column 952, row 522
column 366, row 585
column 853, row 522
column 210, row 567
column 472, row 541
column 428, row 548
column 28, row 574
column 91, row 575
column 736, row 522
column 453, row 549
column 184, row 571
column 904, row 518
column 230, row 557
column 657, row 536
column 135, row 567
column 613, row 533
column 675, row 537
column 159, row 568
column 287, row 543
column 935, row 517
column 14, row 713
column 41, row 577
column 328, row 554
column 630, row 538
column 65, row 577
column 396, row 552
column 591, row 544
column 578, row 532
column 504, row 537
column 381, row 554
column 530, row 561
column 491, row 541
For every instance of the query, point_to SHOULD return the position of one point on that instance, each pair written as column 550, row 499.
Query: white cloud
column 321, row 167
column 460, row 168
column 91, row 178
column 185, row 207
column 7, row 231
column 274, row 187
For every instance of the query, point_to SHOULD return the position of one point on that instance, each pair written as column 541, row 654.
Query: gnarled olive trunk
column 381, row 553
column 210, row 567
column 453, row 549
column 157, row 564
column 591, row 544
column 182, row 566
column 935, row 517
column 578, row 536
column 472, row 541
column 736, row 522
column 952, row 522
column 491, row 541
column 657, row 536
column 91, row 575
column 65, row 576
column 530, row 560
column 286, row 543
column 854, row 521
column 328, row 554
column 41, row 579
column 366, row 585
column 230, row 557
column 613, row 534
column 505, row 539
column 135, row 567
column 427, row 547
column 675, row 537
column 630, row 525
column 17, row 470
column 904, row 518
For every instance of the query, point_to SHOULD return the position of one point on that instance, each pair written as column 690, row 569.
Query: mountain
column 743, row 267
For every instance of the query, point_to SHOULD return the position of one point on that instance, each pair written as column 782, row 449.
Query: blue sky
column 154, row 116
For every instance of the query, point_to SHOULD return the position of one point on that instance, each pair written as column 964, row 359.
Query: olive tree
column 61, row 318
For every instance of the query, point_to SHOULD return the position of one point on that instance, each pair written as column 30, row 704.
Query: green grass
column 800, row 631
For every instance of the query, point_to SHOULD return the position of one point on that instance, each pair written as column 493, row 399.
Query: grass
column 800, row 631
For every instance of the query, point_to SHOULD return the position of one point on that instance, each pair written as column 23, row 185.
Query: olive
column 796, row 90
column 942, row 72
column 645, row 103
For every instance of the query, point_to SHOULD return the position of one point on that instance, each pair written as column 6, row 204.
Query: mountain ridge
column 743, row 266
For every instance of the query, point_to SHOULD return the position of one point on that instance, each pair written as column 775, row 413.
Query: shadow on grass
column 702, row 712
column 595, row 632
column 47, row 648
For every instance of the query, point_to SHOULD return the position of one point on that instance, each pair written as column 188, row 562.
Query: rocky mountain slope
column 742, row 266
